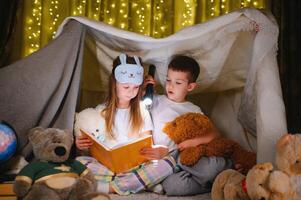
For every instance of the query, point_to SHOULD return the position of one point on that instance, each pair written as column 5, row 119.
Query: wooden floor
column 153, row 196
column 6, row 192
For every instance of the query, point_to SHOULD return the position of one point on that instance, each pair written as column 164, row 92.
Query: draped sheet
column 42, row 89
column 239, row 85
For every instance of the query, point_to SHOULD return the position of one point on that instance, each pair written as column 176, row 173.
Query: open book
column 120, row 158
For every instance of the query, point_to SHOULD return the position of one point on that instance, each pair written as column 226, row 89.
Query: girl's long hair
column 111, row 103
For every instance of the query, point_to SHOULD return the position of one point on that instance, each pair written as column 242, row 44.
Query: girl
column 125, row 118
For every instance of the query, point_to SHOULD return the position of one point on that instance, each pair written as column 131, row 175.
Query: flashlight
column 149, row 91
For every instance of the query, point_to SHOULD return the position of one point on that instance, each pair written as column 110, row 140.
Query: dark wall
column 288, row 15
column 8, row 10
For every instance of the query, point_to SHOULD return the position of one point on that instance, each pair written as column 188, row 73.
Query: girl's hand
column 188, row 143
column 83, row 142
column 157, row 152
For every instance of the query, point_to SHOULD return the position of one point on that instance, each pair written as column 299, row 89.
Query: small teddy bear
column 265, row 183
column 229, row 185
column 193, row 125
column 261, row 182
column 89, row 120
column 288, row 160
column 54, row 176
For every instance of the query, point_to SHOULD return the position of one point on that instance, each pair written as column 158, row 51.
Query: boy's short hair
column 185, row 64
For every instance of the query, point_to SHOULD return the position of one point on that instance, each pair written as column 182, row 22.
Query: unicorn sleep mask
column 129, row 73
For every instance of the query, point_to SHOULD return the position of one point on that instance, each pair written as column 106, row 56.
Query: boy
column 181, row 79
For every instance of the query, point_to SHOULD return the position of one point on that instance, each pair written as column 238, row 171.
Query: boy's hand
column 199, row 140
column 83, row 142
column 157, row 152
column 188, row 143
column 149, row 79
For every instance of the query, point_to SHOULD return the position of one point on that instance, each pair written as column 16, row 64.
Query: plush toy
column 265, row 183
column 229, row 185
column 288, row 160
column 261, row 182
column 54, row 176
column 193, row 125
column 90, row 120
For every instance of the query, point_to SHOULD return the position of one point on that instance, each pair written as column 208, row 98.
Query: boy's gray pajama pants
column 196, row 179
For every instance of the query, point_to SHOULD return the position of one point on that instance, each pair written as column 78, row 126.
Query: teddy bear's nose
column 60, row 151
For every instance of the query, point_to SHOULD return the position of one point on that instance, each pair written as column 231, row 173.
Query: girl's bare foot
column 111, row 190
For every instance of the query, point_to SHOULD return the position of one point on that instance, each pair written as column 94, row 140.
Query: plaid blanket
column 137, row 179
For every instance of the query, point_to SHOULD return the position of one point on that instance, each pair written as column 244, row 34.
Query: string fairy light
column 80, row 8
column 122, row 19
column 94, row 9
column 214, row 8
column 111, row 13
column 54, row 16
column 225, row 6
column 141, row 16
column 33, row 24
column 187, row 14
column 148, row 17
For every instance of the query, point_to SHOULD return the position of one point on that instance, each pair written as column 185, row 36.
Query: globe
column 8, row 142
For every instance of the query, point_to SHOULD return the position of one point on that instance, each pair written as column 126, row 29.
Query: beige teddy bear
column 288, row 160
column 89, row 120
column 229, row 185
column 54, row 176
column 261, row 182
column 265, row 183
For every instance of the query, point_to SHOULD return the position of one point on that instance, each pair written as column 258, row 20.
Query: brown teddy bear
column 229, row 185
column 193, row 125
column 54, row 176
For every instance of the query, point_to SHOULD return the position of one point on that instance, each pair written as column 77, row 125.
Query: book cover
column 122, row 157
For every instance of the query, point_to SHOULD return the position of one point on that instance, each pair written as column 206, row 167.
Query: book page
column 130, row 141
column 116, row 145
column 123, row 157
column 94, row 139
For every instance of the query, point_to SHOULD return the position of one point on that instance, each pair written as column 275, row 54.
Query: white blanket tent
column 239, row 86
